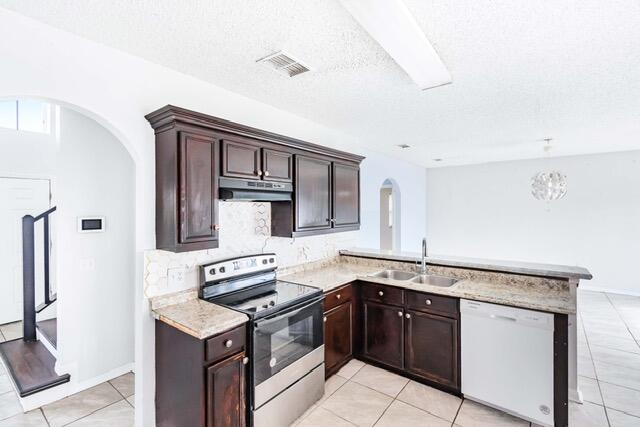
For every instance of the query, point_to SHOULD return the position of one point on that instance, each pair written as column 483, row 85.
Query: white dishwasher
column 507, row 359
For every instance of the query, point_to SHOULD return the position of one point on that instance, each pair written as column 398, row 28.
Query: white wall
column 91, row 173
column 118, row 89
column 96, row 271
column 488, row 211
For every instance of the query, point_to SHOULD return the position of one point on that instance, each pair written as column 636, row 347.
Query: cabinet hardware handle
column 324, row 319
column 399, row 314
column 338, row 296
column 408, row 316
column 245, row 360
column 380, row 293
column 259, row 173
column 228, row 343
column 428, row 302
column 215, row 227
column 266, row 173
column 332, row 220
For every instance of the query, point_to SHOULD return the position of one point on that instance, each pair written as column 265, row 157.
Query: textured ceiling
column 522, row 70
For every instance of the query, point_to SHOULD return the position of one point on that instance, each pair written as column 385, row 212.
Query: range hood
column 254, row 191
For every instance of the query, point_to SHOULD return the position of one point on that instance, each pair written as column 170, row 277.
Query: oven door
column 286, row 346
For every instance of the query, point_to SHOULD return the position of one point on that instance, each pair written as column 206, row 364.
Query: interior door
column 18, row 197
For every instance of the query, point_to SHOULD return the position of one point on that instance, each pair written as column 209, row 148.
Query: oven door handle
column 292, row 311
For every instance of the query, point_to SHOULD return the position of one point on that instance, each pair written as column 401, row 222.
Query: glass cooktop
column 269, row 297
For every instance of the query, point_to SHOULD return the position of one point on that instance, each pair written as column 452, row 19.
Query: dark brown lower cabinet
column 383, row 333
column 338, row 337
column 225, row 393
column 412, row 333
column 431, row 347
column 200, row 383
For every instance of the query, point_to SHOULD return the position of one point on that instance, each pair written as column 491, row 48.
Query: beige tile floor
column 609, row 376
column 109, row 404
column 363, row 395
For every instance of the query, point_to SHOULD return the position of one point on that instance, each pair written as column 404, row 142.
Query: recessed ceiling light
column 403, row 146
column 391, row 24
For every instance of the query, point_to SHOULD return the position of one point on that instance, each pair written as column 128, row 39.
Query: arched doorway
column 89, row 173
column 390, row 215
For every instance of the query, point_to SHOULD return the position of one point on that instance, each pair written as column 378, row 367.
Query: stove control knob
column 221, row 269
column 212, row 271
column 264, row 261
column 228, row 343
column 271, row 260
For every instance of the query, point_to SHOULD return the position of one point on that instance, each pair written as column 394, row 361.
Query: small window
column 9, row 114
column 26, row 115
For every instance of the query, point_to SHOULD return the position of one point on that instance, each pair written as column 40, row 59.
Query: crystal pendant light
column 551, row 185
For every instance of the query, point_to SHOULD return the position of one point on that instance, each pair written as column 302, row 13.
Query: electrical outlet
column 87, row 264
column 176, row 277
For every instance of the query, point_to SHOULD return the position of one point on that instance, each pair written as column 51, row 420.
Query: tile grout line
column 116, row 389
column 595, row 372
column 88, row 415
column 390, row 403
column 622, row 318
column 46, row 420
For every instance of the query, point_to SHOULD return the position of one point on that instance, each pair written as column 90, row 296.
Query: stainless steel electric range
column 285, row 339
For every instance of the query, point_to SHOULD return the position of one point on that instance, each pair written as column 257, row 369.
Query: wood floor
column 31, row 366
column 49, row 329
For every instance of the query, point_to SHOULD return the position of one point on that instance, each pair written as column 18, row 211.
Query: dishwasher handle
column 499, row 317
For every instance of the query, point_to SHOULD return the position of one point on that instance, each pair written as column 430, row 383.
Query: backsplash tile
column 245, row 229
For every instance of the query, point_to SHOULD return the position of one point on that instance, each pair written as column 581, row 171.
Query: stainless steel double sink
column 424, row 279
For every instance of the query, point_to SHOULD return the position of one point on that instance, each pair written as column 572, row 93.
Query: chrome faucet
column 423, row 264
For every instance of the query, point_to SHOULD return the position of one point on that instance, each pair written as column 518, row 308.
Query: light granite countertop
column 196, row 317
column 516, row 267
column 550, row 296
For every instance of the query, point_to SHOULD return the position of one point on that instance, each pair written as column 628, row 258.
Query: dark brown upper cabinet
column 312, row 194
column 244, row 158
column 346, row 195
column 277, row 165
column 241, row 159
column 186, row 189
column 326, row 198
column 194, row 149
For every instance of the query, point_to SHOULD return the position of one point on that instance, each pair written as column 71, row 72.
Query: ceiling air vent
column 284, row 63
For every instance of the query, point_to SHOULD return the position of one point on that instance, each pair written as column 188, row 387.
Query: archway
column 93, row 174
column 390, row 215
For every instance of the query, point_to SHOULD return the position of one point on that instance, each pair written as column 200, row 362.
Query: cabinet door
column 240, row 159
column 432, row 347
column 277, row 165
column 198, row 188
column 383, row 333
column 346, row 195
column 338, row 334
column 313, row 193
column 226, row 393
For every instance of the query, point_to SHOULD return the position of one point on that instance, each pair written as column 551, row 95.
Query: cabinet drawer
column 383, row 294
column 337, row 296
column 225, row 344
column 429, row 303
